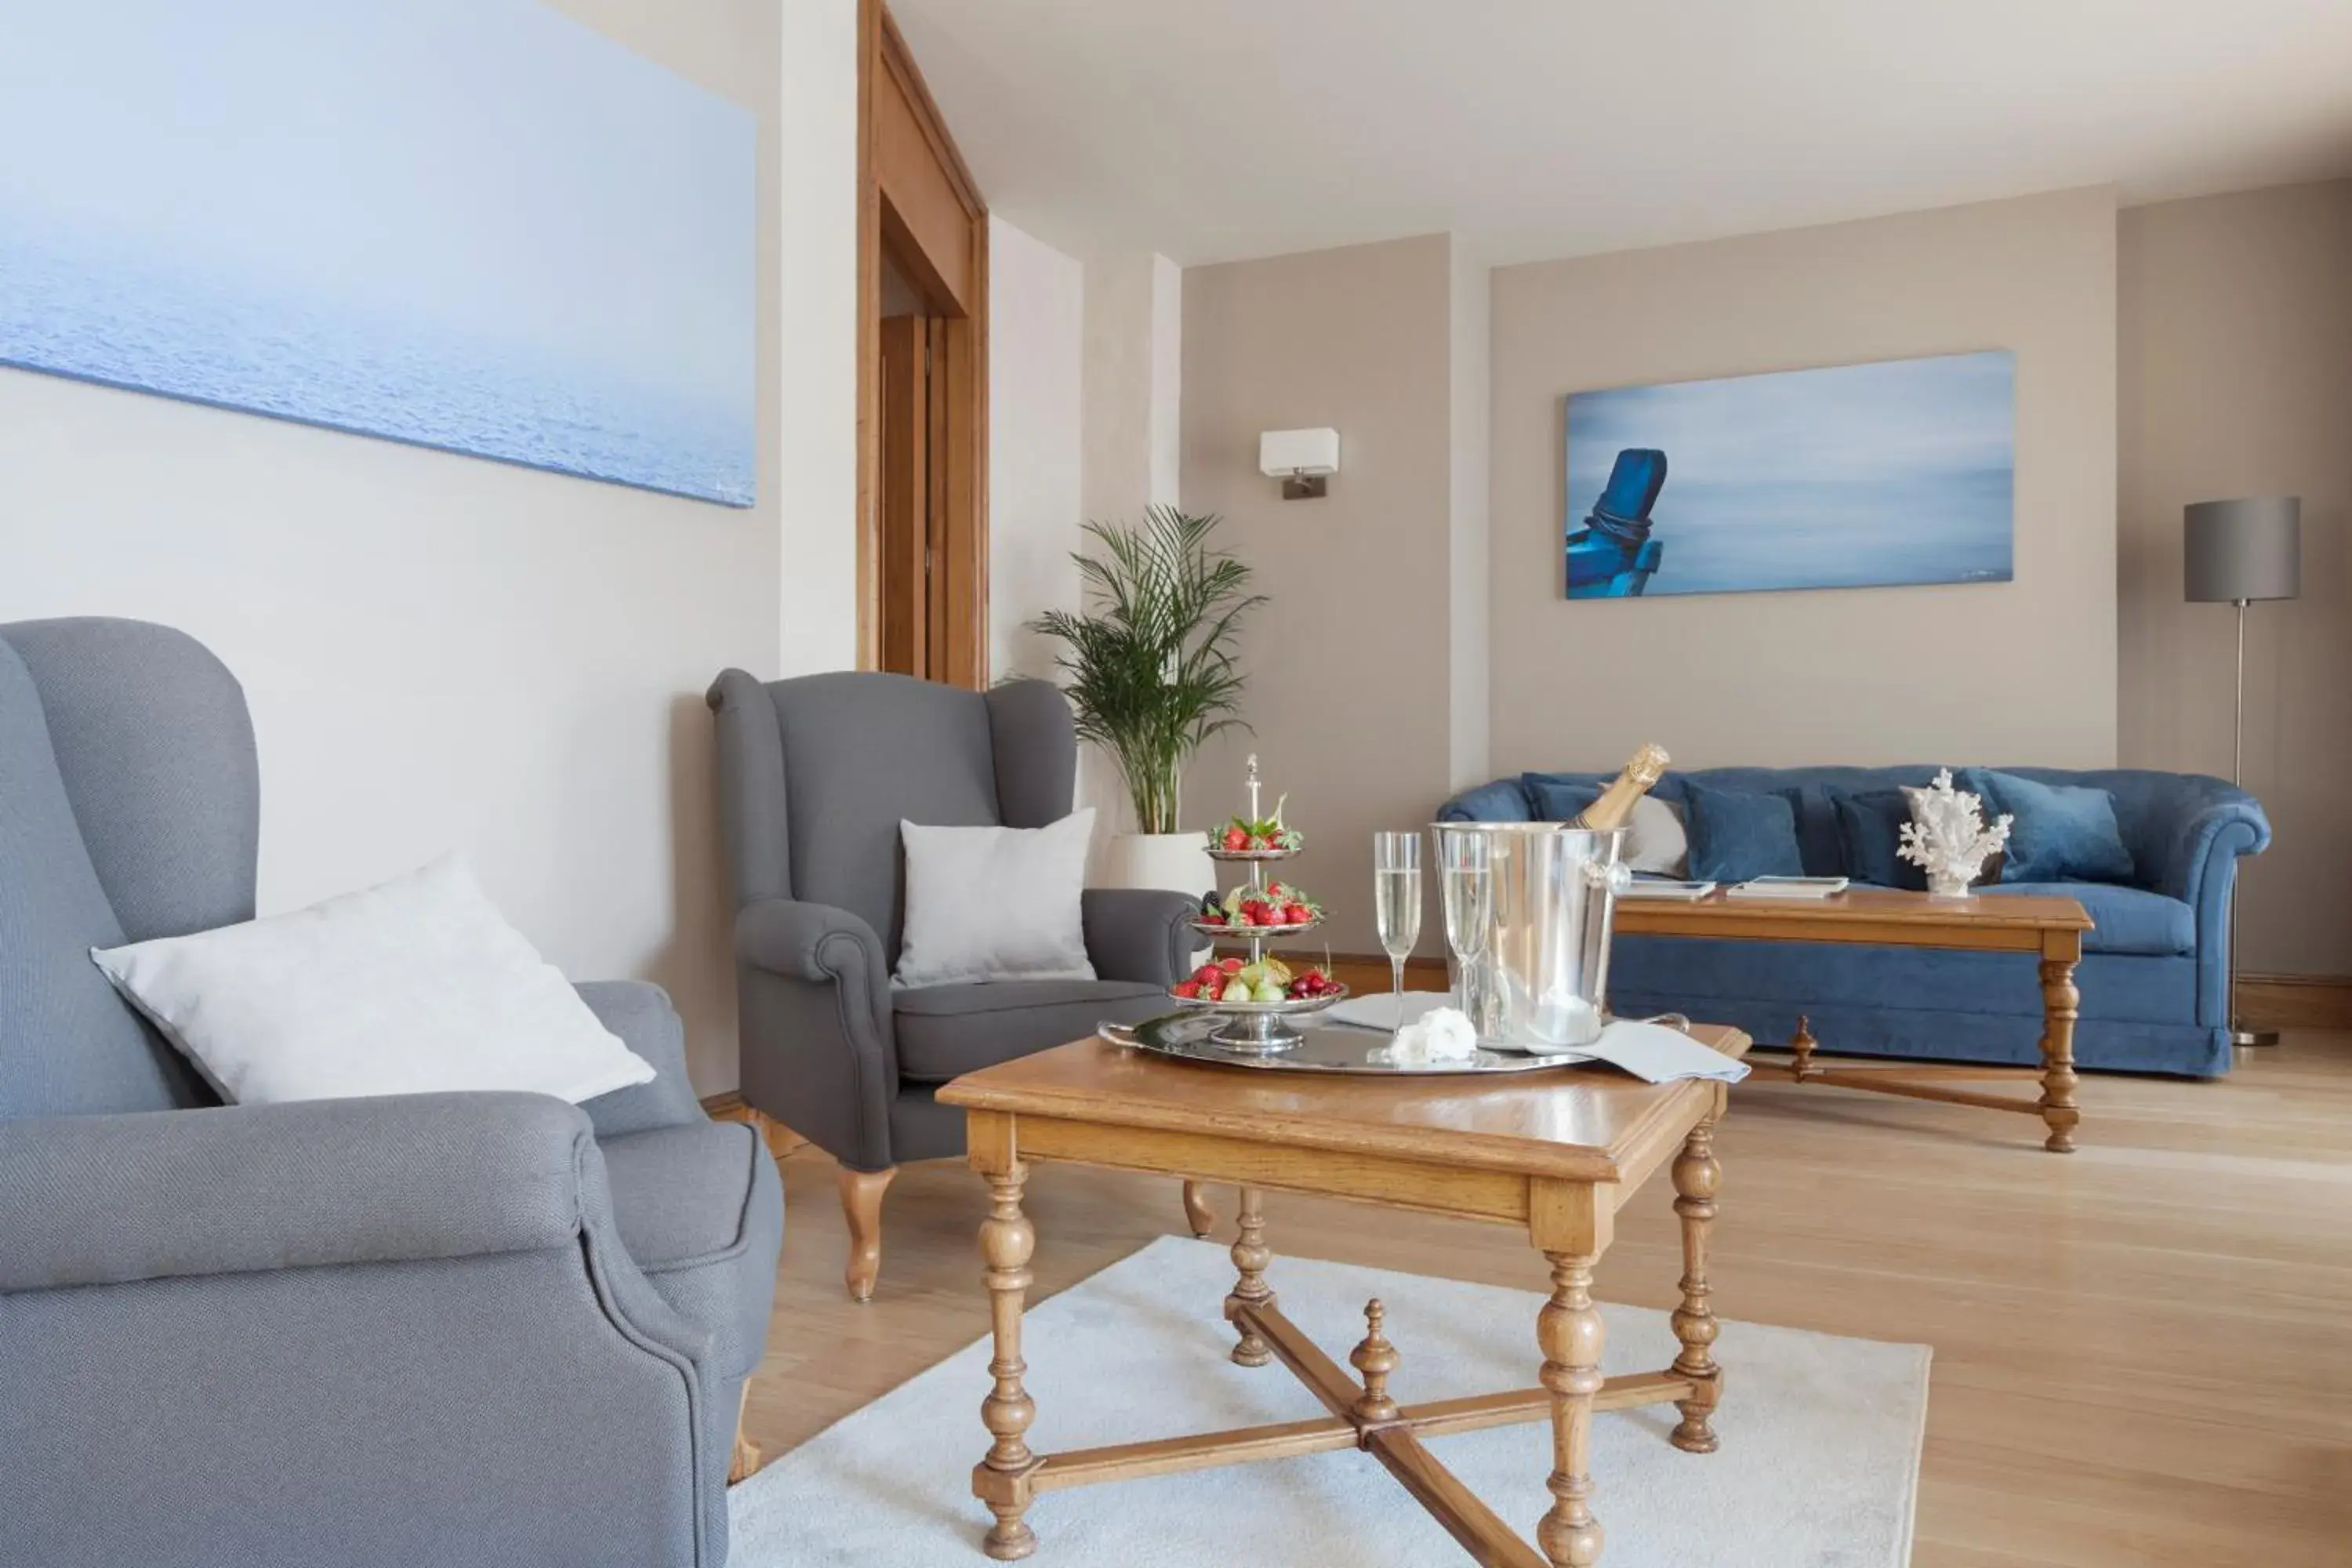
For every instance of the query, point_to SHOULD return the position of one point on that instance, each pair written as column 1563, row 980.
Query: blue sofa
column 2155, row 972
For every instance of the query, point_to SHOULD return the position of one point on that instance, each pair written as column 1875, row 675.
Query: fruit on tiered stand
column 1237, row 981
column 1277, row 909
column 1258, row 991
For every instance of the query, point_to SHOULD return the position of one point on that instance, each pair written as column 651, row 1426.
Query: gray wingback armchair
column 454, row 1328
column 815, row 776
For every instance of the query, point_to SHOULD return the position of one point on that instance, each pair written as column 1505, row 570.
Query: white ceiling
column 1209, row 129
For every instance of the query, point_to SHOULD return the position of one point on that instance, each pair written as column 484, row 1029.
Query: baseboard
column 2296, row 1001
column 728, row 1106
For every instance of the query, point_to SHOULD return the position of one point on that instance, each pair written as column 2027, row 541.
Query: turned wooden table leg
column 1002, row 1479
column 1374, row 1358
column 1697, row 1178
column 1802, row 1046
column 2060, row 1004
column 1572, row 1334
column 1198, row 1214
column 1251, row 1256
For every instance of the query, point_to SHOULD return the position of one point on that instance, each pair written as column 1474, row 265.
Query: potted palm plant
column 1151, row 673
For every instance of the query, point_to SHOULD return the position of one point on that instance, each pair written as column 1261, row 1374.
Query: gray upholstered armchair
column 454, row 1328
column 815, row 774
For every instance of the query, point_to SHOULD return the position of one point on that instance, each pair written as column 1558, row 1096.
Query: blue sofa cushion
column 1870, row 825
column 1558, row 800
column 2062, row 832
column 1735, row 835
column 2127, row 920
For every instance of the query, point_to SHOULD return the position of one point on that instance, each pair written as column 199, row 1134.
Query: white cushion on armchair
column 996, row 903
column 415, row 986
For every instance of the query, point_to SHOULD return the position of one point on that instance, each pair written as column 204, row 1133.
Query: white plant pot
column 1177, row 861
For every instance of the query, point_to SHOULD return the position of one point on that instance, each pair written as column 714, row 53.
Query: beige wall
column 2236, row 380
column 1350, row 681
column 2021, row 672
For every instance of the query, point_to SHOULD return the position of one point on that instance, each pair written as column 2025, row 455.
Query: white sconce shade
column 1301, row 460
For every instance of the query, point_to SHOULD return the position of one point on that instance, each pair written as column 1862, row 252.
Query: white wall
column 442, row 652
column 816, row 158
column 1036, row 325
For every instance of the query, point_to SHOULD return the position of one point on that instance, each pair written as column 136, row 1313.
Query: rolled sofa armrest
column 2205, row 843
column 811, row 941
column 1142, row 935
column 641, row 1015
column 1501, row 801
column 109, row 1200
column 825, row 946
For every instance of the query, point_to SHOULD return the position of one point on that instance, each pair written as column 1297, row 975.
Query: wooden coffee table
column 2048, row 929
column 1557, row 1151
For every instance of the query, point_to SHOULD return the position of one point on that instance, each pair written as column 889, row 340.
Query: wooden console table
column 1556, row 1152
column 2048, row 929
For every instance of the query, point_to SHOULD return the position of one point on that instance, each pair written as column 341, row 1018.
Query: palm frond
column 1151, row 662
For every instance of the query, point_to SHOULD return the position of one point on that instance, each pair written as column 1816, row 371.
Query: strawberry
column 1238, row 838
column 1188, row 989
column 1297, row 914
column 1229, row 965
column 1207, row 972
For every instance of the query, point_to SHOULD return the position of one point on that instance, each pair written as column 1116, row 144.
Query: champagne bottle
column 1615, row 807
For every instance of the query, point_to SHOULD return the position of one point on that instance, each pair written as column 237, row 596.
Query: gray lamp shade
column 2236, row 550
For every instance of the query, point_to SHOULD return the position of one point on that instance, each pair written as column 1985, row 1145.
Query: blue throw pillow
column 1557, row 800
column 1870, row 826
column 2063, row 833
column 1735, row 836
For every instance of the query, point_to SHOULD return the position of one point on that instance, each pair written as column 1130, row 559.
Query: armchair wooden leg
column 861, row 1205
column 746, row 1462
column 1197, row 1212
column 782, row 1140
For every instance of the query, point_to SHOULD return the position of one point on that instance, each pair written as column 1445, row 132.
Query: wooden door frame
column 887, row 72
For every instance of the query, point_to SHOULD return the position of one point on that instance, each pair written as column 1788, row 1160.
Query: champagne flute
column 1396, row 903
column 1468, row 888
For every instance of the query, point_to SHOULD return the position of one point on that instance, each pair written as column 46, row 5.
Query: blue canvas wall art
column 1856, row 476
column 472, row 224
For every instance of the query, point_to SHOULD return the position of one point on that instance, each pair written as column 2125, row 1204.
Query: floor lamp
column 2233, row 552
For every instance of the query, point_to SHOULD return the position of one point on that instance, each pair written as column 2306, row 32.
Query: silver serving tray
column 1245, row 855
column 1323, row 1046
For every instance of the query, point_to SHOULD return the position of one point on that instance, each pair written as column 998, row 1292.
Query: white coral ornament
column 1946, row 836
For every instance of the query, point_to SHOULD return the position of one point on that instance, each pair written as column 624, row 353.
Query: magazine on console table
column 1786, row 888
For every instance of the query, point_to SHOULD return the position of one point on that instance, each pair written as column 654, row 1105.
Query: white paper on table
column 1656, row 1053
column 1378, row 1010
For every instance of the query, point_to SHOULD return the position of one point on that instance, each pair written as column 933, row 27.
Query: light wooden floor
column 2143, row 1350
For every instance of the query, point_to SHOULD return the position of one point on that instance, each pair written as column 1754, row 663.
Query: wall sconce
column 1301, row 460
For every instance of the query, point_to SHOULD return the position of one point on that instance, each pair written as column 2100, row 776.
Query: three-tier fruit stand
column 1258, row 1029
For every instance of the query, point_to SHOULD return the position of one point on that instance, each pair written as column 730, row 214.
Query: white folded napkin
column 1656, row 1053
column 1443, row 1035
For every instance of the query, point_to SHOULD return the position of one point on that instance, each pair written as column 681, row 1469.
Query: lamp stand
column 2238, row 1034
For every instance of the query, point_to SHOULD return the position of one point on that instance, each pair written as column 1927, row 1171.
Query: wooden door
column 916, row 547
column 922, row 380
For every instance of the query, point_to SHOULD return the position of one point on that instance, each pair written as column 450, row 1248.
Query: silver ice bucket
column 1540, row 979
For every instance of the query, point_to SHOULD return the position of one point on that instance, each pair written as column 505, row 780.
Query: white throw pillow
column 1657, row 840
column 413, row 987
column 996, row 903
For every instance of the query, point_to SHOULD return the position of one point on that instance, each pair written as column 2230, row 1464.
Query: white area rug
column 1820, row 1461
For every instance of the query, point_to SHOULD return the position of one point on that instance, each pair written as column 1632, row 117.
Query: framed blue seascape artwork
column 470, row 224
column 1852, row 477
